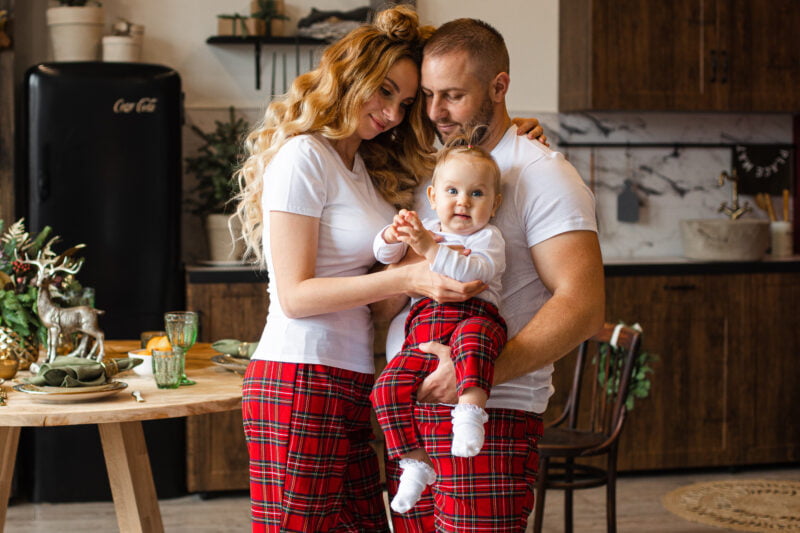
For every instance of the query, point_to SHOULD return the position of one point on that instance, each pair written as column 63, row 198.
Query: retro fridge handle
column 43, row 179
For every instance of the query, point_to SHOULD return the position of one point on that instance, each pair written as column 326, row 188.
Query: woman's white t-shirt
column 307, row 177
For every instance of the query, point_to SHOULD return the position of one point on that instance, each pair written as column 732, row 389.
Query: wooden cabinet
column 724, row 391
column 682, row 55
column 686, row 323
column 229, row 310
column 768, row 343
column 760, row 46
column 217, row 458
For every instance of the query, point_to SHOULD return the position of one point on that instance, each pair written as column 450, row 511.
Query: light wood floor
column 639, row 508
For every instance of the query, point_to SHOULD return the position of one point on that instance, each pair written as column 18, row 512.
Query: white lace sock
column 468, row 432
column 415, row 477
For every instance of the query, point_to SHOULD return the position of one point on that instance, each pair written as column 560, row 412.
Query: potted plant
column 271, row 12
column 219, row 157
column 76, row 29
column 611, row 358
column 21, row 331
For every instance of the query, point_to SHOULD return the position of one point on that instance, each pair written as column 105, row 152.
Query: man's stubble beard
column 482, row 118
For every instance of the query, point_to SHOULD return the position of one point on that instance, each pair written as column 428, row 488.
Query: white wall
column 219, row 76
column 530, row 28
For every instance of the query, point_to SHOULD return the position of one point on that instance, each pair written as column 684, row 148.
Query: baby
column 465, row 193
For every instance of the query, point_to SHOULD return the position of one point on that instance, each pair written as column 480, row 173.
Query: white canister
column 121, row 48
column 781, row 237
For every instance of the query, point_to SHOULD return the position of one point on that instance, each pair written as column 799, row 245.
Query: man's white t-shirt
column 543, row 196
column 307, row 177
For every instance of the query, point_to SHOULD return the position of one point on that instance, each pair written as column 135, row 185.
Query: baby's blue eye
column 452, row 190
column 477, row 193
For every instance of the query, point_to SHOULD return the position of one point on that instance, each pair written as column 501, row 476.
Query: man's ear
column 499, row 87
column 432, row 196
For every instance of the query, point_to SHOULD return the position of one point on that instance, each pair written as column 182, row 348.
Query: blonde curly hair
column 327, row 101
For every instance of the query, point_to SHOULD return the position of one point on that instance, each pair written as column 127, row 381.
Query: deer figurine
column 68, row 320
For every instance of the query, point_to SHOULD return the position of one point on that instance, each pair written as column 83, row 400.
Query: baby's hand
column 389, row 235
column 414, row 234
column 459, row 248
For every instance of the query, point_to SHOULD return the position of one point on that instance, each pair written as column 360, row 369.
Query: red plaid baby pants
column 475, row 332
column 489, row 493
column 312, row 468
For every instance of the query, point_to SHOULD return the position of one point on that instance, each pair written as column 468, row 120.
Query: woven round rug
column 747, row 505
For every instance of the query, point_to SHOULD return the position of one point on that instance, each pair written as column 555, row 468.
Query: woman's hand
column 531, row 128
column 429, row 284
column 440, row 385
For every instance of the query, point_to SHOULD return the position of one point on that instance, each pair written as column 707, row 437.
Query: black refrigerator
column 100, row 162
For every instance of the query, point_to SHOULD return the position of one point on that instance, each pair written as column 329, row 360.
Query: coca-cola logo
column 143, row 105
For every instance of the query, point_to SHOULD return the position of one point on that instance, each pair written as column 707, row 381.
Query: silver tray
column 48, row 394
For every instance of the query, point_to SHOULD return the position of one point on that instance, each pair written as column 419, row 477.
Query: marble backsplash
column 671, row 184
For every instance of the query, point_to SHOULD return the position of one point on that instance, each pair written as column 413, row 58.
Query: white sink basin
column 725, row 239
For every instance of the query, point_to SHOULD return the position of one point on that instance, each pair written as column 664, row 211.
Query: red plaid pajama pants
column 475, row 332
column 491, row 492
column 311, row 466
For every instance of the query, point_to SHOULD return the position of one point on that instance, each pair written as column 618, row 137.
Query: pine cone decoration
column 26, row 349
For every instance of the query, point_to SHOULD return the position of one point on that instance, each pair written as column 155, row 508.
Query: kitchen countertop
column 224, row 274
column 614, row 266
column 677, row 266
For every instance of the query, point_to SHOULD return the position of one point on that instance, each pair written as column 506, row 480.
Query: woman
column 329, row 166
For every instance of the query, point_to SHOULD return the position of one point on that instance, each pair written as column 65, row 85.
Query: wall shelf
column 258, row 41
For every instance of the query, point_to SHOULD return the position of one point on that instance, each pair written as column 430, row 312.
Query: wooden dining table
column 119, row 420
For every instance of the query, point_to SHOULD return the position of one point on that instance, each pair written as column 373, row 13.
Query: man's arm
column 571, row 267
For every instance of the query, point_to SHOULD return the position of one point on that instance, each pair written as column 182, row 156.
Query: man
column 552, row 298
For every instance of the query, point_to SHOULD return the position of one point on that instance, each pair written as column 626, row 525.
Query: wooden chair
column 593, row 431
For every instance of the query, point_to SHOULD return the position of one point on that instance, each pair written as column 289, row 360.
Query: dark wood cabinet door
column 683, row 423
column 761, row 65
column 682, row 55
column 636, row 55
column 766, row 397
column 229, row 310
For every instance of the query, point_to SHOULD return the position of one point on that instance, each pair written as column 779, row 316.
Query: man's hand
column 440, row 385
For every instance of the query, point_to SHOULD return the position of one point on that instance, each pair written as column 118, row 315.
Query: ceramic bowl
column 146, row 367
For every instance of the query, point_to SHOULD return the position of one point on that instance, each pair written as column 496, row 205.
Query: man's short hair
column 483, row 44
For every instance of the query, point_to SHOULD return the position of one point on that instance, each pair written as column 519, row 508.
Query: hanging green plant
column 612, row 358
